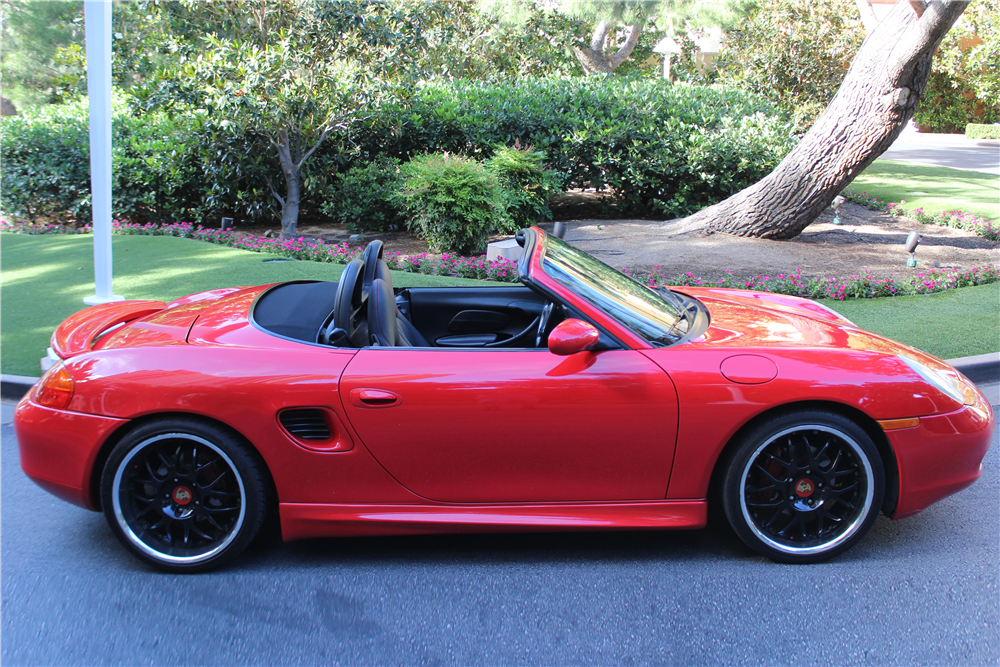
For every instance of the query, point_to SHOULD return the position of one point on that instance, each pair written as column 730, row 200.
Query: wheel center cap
column 182, row 495
column 804, row 487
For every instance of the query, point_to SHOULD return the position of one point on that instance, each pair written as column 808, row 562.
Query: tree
column 42, row 51
column 877, row 98
column 794, row 52
column 284, row 75
column 607, row 16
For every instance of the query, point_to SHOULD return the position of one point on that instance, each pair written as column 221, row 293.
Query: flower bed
column 957, row 219
column 861, row 286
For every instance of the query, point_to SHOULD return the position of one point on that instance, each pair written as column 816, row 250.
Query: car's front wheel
column 183, row 494
column 803, row 487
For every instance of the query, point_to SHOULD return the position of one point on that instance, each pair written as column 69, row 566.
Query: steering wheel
column 543, row 323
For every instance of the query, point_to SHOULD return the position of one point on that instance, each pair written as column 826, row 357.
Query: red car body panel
column 302, row 521
column 58, row 448
column 443, row 440
column 580, row 411
column 78, row 332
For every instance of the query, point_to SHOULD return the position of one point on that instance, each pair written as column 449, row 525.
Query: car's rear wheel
column 183, row 494
column 803, row 487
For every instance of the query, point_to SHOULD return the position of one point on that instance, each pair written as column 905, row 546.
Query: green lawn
column 959, row 323
column 45, row 279
column 934, row 189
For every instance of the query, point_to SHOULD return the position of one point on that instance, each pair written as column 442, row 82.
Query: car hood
column 763, row 320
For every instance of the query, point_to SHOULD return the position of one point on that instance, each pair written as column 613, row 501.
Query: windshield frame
column 634, row 313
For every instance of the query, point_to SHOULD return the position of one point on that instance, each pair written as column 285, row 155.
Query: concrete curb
column 981, row 369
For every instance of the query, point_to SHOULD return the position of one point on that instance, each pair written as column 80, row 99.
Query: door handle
column 375, row 398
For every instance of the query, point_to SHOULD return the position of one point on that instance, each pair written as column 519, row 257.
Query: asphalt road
column 918, row 591
column 944, row 150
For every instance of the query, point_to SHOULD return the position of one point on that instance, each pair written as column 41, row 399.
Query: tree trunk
column 877, row 98
column 290, row 170
column 868, row 17
column 595, row 60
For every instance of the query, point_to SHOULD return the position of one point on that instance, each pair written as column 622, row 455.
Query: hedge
column 671, row 149
column 977, row 131
column 657, row 148
column 156, row 175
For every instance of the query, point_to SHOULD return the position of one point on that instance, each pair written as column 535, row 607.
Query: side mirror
column 572, row 336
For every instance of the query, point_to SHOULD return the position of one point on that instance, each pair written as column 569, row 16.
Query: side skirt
column 300, row 521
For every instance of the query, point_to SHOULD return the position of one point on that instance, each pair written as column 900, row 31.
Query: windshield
column 657, row 317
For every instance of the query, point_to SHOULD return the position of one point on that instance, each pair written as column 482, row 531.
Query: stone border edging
column 981, row 369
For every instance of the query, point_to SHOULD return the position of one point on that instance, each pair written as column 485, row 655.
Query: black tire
column 803, row 487
column 183, row 494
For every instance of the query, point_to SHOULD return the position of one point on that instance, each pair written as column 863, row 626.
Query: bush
column 525, row 186
column 794, row 52
column 630, row 136
column 964, row 86
column 46, row 163
column 156, row 171
column 453, row 202
column 364, row 197
column 975, row 131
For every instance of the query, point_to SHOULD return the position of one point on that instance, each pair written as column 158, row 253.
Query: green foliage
column 964, row 86
column 46, row 163
column 795, row 52
column 525, row 185
column 977, row 131
column 364, row 197
column 453, row 202
column 42, row 51
column 156, row 172
column 634, row 137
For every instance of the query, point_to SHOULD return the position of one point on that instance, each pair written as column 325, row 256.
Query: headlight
column 952, row 385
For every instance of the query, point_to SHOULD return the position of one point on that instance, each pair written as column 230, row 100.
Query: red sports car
column 578, row 400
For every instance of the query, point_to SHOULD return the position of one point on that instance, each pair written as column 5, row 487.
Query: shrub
column 795, row 52
column 964, row 86
column 977, row 131
column 525, row 186
column 46, row 163
column 630, row 136
column 156, row 172
column 453, row 202
column 364, row 197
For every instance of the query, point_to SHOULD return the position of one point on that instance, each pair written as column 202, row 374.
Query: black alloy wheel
column 183, row 494
column 803, row 487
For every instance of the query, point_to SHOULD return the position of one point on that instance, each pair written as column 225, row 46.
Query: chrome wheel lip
column 849, row 531
column 145, row 548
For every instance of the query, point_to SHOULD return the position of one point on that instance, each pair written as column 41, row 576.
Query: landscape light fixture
column 912, row 241
column 838, row 201
column 559, row 229
column 227, row 223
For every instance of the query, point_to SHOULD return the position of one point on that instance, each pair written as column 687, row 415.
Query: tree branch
column 599, row 37
column 274, row 192
column 630, row 41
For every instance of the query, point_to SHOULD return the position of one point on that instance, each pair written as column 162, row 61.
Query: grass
column 957, row 323
column 45, row 279
column 934, row 189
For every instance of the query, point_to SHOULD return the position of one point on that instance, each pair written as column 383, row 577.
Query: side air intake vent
column 307, row 424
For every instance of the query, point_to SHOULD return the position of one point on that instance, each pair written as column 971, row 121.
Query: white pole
column 97, row 20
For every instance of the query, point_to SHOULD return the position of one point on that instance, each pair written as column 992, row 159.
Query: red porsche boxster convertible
column 578, row 400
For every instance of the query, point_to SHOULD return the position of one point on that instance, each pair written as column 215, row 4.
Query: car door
column 490, row 426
